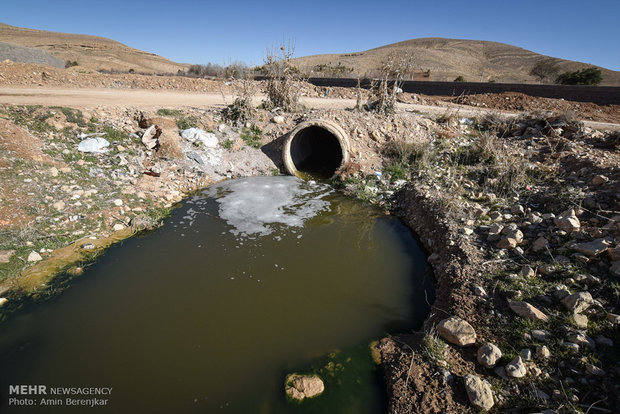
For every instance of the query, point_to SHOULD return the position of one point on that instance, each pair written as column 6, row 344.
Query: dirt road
column 90, row 98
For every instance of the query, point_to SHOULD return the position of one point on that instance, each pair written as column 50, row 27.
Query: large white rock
column 488, row 355
column 299, row 387
column 457, row 331
column 34, row 257
column 567, row 220
column 479, row 392
column 207, row 139
column 516, row 368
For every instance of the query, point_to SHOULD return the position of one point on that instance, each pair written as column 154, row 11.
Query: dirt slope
column 23, row 54
column 91, row 52
column 448, row 58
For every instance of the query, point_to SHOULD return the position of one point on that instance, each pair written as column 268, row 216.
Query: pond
column 246, row 282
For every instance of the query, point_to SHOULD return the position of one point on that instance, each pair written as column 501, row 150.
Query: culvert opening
column 315, row 148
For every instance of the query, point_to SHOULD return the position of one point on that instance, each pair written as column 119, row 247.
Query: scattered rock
column 542, row 352
column 488, row 355
column 507, row 243
column 541, row 335
column 495, row 231
column 150, row 137
column 593, row 248
column 527, row 271
column 457, row 331
column 5, row 255
column 613, row 318
column 299, row 387
column 581, row 320
column 3, row 301
column 526, row 354
column 118, row 227
column 577, row 302
column 516, row 368
column 567, row 221
column 278, row 119
column 599, row 180
column 59, row 205
column 197, row 135
column 594, row 370
column 581, row 340
column 526, row 310
column 540, row 244
column 118, row 202
column 53, row 172
column 34, row 257
column 479, row 392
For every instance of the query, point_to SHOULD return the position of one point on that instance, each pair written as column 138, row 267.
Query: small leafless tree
column 283, row 78
column 395, row 69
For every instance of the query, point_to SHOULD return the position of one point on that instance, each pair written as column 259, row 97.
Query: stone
column 150, row 137
column 457, row 331
column 541, row 335
column 526, row 310
column 3, row 301
column 572, row 347
column 53, row 172
column 480, row 292
column 507, row 243
column 613, row 318
column 567, row 220
column 59, row 205
column 467, row 231
column 594, row 370
column 527, row 271
column 581, row 340
column 614, row 253
column 516, row 368
column 299, row 387
column 581, row 321
column 5, row 255
column 517, row 209
column 526, row 354
column 488, row 355
column 540, row 244
column 542, row 352
column 496, row 216
column 118, row 202
column 34, row 257
column 593, row 248
column 118, row 227
column 479, row 392
column 495, row 231
column 511, row 231
column 577, row 302
column 599, row 180
column 278, row 119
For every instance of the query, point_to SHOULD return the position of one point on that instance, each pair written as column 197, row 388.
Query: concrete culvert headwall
column 317, row 148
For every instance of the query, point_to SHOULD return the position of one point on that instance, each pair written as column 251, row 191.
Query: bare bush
column 242, row 109
column 283, row 79
column 395, row 69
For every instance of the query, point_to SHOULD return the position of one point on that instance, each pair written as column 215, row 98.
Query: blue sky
column 223, row 31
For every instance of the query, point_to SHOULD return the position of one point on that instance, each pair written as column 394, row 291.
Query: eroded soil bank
column 521, row 220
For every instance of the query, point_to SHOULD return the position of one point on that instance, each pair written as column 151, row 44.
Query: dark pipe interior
column 316, row 151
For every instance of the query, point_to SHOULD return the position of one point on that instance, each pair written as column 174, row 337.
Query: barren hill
column 447, row 59
column 92, row 52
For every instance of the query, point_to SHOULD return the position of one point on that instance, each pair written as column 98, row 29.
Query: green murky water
column 253, row 279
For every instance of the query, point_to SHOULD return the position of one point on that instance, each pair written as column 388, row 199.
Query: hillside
column 449, row 58
column 91, row 52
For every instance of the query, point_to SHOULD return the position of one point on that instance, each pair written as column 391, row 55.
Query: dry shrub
column 283, row 79
column 242, row 109
column 394, row 70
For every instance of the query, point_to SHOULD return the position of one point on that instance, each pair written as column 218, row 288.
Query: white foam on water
column 253, row 206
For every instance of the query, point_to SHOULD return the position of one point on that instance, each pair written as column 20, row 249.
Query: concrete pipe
column 316, row 148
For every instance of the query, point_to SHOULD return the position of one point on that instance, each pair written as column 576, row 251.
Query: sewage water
column 246, row 282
